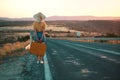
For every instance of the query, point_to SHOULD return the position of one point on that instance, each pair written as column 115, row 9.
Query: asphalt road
column 83, row 61
column 67, row 60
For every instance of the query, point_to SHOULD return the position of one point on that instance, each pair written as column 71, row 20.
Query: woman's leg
column 40, row 59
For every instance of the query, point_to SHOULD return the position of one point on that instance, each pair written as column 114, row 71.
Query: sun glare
column 26, row 8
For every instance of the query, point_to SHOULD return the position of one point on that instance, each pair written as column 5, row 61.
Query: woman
column 39, row 31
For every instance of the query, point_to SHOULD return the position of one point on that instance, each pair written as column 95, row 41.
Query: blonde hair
column 39, row 26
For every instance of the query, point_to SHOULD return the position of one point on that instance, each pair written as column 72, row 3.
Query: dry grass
column 9, row 48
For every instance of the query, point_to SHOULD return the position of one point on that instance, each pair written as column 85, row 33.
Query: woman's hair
column 39, row 26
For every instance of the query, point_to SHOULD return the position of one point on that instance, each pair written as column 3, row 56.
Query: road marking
column 97, row 55
column 103, row 50
column 108, row 51
column 75, row 46
column 48, row 75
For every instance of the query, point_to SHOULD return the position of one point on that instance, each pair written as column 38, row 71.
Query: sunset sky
column 27, row 8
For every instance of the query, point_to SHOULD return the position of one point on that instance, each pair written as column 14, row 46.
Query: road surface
column 83, row 61
column 67, row 60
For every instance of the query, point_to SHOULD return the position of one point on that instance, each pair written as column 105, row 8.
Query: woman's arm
column 35, row 31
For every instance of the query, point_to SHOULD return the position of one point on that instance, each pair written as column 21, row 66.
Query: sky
column 27, row 8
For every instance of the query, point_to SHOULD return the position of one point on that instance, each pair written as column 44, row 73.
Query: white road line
column 48, row 75
column 97, row 55
column 108, row 51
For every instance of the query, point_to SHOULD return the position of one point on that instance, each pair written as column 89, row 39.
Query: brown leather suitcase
column 38, row 48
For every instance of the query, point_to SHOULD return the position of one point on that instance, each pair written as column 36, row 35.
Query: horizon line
column 66, row 16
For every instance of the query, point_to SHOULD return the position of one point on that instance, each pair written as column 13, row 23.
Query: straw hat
column 39, row 17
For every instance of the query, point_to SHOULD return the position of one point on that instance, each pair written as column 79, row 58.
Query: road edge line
column 48, row 75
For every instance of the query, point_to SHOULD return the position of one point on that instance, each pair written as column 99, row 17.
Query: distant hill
column 81, row 18
column 53, row 18
column 16, row 19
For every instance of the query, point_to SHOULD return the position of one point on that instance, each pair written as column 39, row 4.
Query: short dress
column 40, row 35
column 38, row 27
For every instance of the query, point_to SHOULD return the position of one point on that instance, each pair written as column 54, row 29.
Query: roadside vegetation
column 14, row 49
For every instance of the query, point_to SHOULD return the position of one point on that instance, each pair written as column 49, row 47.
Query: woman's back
column 39, row 26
